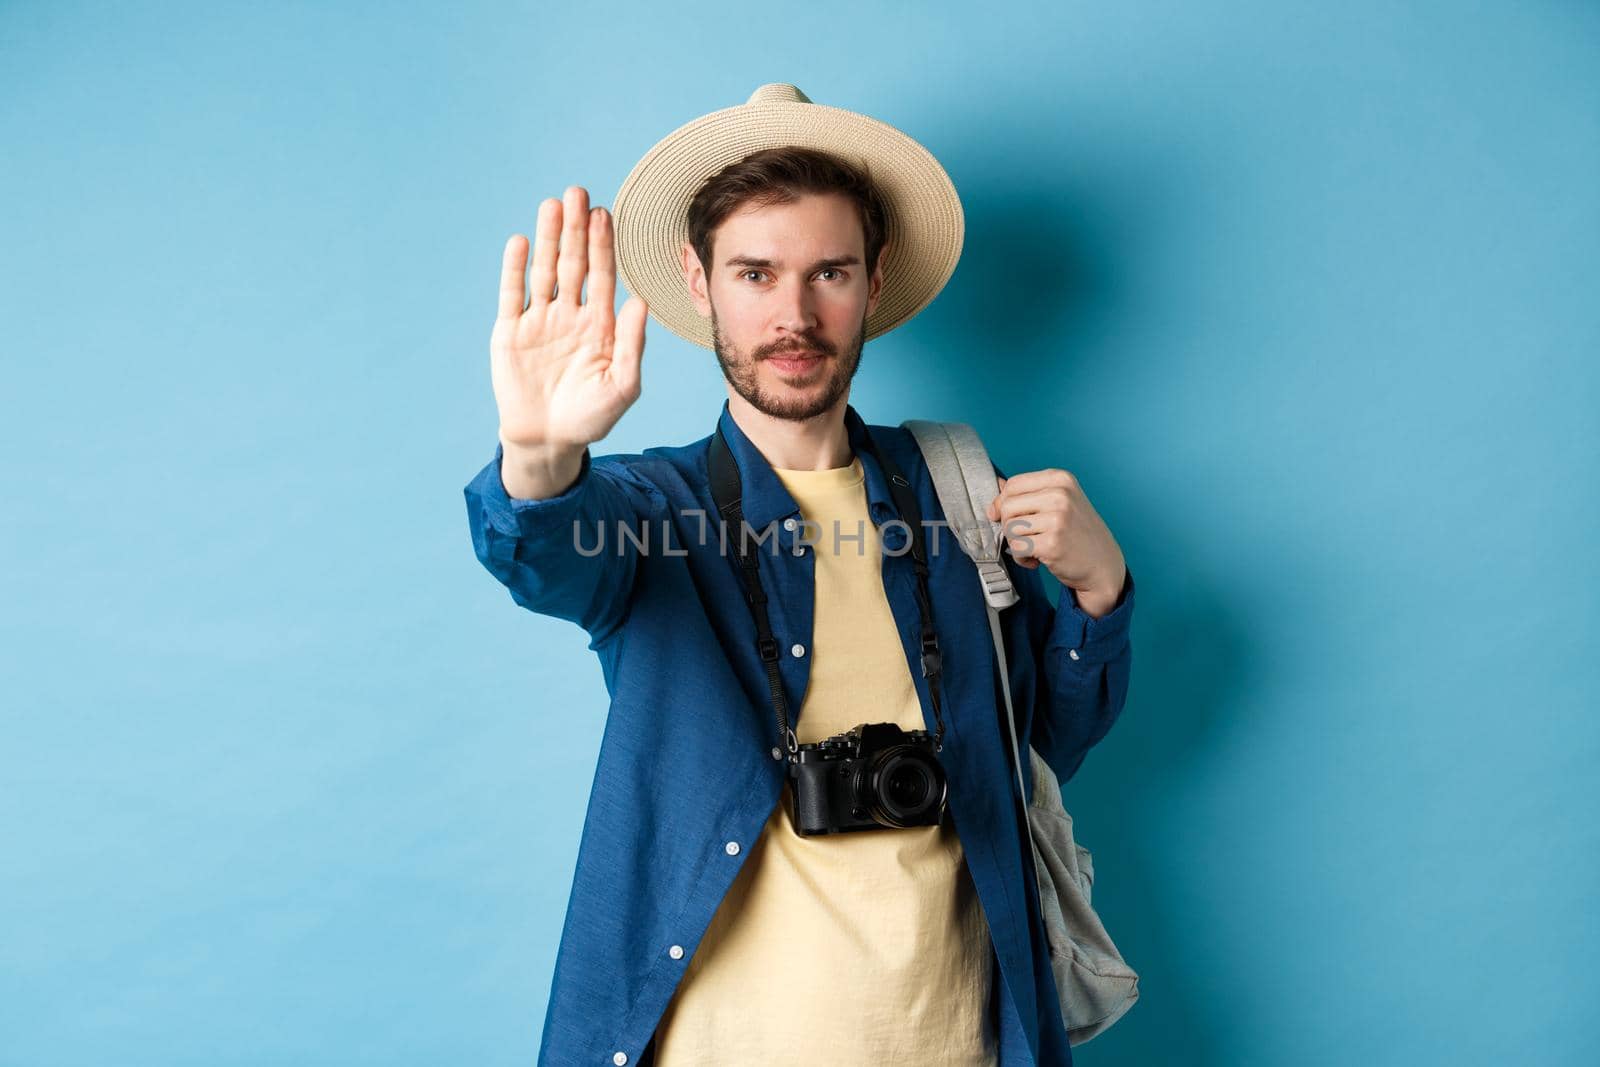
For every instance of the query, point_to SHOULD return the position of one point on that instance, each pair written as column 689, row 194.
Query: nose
column 795, row 312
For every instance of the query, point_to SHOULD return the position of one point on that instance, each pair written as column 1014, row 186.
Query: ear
column 694, row 279
column 875, row 283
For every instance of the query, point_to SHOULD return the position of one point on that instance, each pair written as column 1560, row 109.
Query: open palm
column 564, row 371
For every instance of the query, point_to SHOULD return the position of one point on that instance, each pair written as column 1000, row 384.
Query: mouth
column 796, row 362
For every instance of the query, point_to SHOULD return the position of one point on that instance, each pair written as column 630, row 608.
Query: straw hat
column 925, row 223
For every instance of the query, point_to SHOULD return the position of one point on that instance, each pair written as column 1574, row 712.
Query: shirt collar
column 765, row 499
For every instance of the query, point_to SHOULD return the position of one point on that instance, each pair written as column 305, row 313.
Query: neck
column 818, row 443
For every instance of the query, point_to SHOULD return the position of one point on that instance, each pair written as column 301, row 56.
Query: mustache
column 815, row 350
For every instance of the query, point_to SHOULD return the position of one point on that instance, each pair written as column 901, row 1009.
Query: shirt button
column 1073, row 653
column 732, row 848
column 676, row 952
column 789, row 524
column 619, row 1058
column 797, row 650
column 777, row 753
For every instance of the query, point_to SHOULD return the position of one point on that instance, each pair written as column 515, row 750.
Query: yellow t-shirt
column 868, row 947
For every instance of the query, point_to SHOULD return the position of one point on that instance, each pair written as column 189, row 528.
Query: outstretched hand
column 564, row 371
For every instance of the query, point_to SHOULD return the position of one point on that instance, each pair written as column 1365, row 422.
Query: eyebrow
column 832, row 261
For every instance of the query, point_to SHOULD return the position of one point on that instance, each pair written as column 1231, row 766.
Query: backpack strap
column 965, row 481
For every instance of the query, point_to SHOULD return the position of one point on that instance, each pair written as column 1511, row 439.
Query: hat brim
column 925, row 221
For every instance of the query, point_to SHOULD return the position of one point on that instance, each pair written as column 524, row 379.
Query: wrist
column 538, row 471
column 1100, row 599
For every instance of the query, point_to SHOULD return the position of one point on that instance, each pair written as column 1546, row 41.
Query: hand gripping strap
column 965, row 481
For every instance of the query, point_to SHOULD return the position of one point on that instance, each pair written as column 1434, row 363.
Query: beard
column 796, row 405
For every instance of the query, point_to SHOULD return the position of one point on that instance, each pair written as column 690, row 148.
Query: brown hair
column 781, row 176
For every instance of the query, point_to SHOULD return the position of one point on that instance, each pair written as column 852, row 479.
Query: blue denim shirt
column 687, row 776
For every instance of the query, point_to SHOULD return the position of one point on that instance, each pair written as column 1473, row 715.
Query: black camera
column 874, row 776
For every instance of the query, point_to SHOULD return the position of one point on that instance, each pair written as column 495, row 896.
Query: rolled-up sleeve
column 566, row 556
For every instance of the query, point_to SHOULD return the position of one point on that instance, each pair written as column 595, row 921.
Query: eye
column 752, row 270
column 831, row 270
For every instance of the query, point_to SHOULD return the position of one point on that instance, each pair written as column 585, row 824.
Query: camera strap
column 727, row 492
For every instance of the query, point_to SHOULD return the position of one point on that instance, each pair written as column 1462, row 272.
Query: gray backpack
column 1096, row 985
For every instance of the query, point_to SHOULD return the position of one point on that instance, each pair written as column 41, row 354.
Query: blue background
column 1304, row 294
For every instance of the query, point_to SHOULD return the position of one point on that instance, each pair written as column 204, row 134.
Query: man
column 703, row 928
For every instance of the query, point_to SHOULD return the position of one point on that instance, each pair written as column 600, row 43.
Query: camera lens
column 907, row 786
column 904, row 786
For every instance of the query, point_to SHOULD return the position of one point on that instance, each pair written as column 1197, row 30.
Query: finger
column 628, row 352
column 573, row 262
column 1018, row 529
column 602, row 261
column 993, row 510
column 1028, row 481
column 546, row 240
column 1023, row 550
column 1039, row 500
column 513, row 277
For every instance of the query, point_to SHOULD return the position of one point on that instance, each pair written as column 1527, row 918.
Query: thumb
column 628, row 352
column 994, row 504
